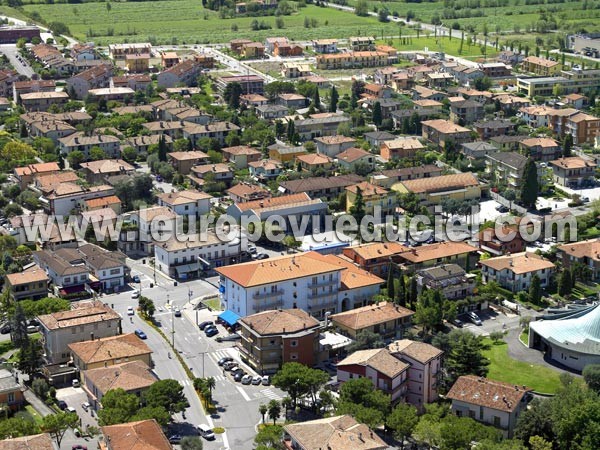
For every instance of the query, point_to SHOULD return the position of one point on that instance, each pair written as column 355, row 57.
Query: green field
column 504, row 368
column 183, row 22
column 443, row 44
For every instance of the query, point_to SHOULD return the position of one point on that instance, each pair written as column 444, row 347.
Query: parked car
column 139, row 333
column 5, row 328
column 135, row 294
column 206, row 432
column 62, row 404
column 252, row 249
column 85, row 406
column 457, row 323
column 229, row 364
column 175, row 439
column 136, row 279
column 212, row 332
column 224, row 360
column 474, row 318
column 262, row 256
column 239, row 375
column 70, row 409
column 130, row 311
column 230, row 338
column 32, row 329
column 233, row 368
column 205, row 324
column 266, row 380
column 76, row 383
column 257, row 380
column 247, row 379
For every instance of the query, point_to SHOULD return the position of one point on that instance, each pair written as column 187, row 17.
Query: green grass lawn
column 214, row 304
column 524, row 337
column 183, row 21
column 443, row 44
column 29, row 414
column 504, row 368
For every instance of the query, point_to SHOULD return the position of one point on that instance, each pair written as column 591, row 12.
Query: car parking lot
column 75, row 397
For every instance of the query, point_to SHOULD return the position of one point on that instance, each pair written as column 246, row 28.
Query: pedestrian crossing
column 226, row 352
column 269, row 393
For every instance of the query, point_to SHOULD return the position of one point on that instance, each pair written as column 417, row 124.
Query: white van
column 206, row 432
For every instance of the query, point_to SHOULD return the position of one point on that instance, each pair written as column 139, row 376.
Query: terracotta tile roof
column 368, row 316
column 103, row 202
column 445, row 126
column 320, row 183
column 313, row 159
column 80, row 313
column 240, row 150
column 109, row 348
column 47, row 182
column 419, row 351
column 129, row 376
column 582, row 249
column 39, row 168
column 246, row 190
column 379, row 359
column 539, row 142
column 142, row 435
column 427, row 103
column 276, row 322
column 436, row 250
column 283, row 200
column 374, row 250
column 266, row 164
column 404, row 144
column 573, row 162
column 581, row 117
column 441, row 183
column 211, row 168
column 518, row 263
column 34, row 442
column 187, row 156
column 352, row 277
column 337, row 139
column 352, row 154
column 367, row 189
column 31, row 275
column 487, row 393
column 107, row 166
column 183, row 197
column 277, row 269
column 335, row 433
column 540, row 61
column 149, row 214
column 196, row 241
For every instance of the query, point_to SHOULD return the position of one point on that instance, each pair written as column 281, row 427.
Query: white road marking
column 243, row 394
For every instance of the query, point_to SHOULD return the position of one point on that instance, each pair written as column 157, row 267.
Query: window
column 496, row 420
column 293, row 356
column 294, row 343
column 11, row 397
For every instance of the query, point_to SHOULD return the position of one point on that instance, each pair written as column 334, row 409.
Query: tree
column 17, row 151
column 333, row 99
column 591, row 375
column 429, row 312
column 496, row 336
column 316, row 99
column 263, row 409
column 18, row 327
column 564, row 284
column 269, row 437
column 366, row 339
column 530, row 185
column 402, row 420
column 232, row 94
column 298, row 380
column 191, row 443
column 377, row 114
column 535, row 290
column 30, row 357
column 357, row 210
column 117, row 407
column 567, row 145
column 368, row 405
column 96, row 154
column 361, row 8
column 383, row 15
column 129, row 154
column 56, row 425
column 390, row 282
column 162, row 148
column 75, row 158
column 464, row 355
column 14, row 427
column 168, row 394
column 274, row 410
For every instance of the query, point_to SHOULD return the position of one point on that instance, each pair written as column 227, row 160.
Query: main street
column 237, row 405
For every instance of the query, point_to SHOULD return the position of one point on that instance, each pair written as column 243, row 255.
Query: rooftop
column 81, row 313
column 142, row 435
column 276, row 322
column 368, row 316
column 379, row 359
column 487, row 393
column 419, row 351
column 441, row 183
column 183, row 197
column 33, row 274
column 129, row 376
column 518, row 263
column 436, row 250
column 110, row 348
column 573, row 162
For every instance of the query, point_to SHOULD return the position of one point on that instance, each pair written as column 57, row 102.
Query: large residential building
column 250, row 84
column 442, row 132
column 11, row 394
column 375, row 257
column 310, row 281
column 67, row 273
column 94, row 78
column 382, row 318
column 96, row 171
column 540, row 66
column 144, row 434
column 184, row 73
column 332, row 433
column 387, row 373
column 373, row 196
column 506, row 168
column 325, row 188
column 574, row 172
column 451, row 279
column 540, row 149
column 85, row 320
column 447, row 252
column 514, row 272
column 148, row 223
column 351, row 60
column 586, row 253
column 120, row 51
column 109, row 351
column 31, row 283
column 109, row 144
column 491, row 402
column 406, row 147
column 431, row 191
column 186, row 203
column 273, row 338
column 424, row 371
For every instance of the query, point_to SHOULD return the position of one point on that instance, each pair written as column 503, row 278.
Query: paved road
column 237, row 404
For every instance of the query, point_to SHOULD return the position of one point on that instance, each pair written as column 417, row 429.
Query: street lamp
column 172, row 323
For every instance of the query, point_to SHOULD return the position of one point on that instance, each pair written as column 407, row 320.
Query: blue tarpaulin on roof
column 229, row 317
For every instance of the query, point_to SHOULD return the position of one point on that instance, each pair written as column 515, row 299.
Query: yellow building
column 431, row 191
column 352, row 59
column 110, row 351
column 540, row 66
column 137, row 63
column 372, row 196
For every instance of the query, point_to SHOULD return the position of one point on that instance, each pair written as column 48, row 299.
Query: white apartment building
column 156, row 221
column 186, row 203
column 308, row 281
column 189, row 259
column 514, row 272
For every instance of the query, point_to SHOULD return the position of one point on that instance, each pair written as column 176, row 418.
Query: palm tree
column 274, row 410
column 286, row 403
column 210, row 384
column 263, row 409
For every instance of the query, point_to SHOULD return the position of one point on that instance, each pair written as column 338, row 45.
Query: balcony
column 268, row 294
column 311, row 295
column 321, row 283
column 268, row 306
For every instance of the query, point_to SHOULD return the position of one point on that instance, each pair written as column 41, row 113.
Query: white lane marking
column 243, row 394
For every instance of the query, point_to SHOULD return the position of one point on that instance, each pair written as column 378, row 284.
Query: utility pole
column 172, row 323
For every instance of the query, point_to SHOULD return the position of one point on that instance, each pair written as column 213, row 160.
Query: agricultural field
column 504, row 15
column 441, row 44
column 187, row 22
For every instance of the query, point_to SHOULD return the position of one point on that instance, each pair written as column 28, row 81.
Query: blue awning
column 229, row 317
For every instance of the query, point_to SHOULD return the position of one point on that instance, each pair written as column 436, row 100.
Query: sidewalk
column 42, row 409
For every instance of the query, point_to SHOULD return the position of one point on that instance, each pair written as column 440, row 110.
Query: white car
column 247, row 379
column 130, row 311
column 257, row 380
column 135, row 294
column 75, row 383
column 266, row 380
